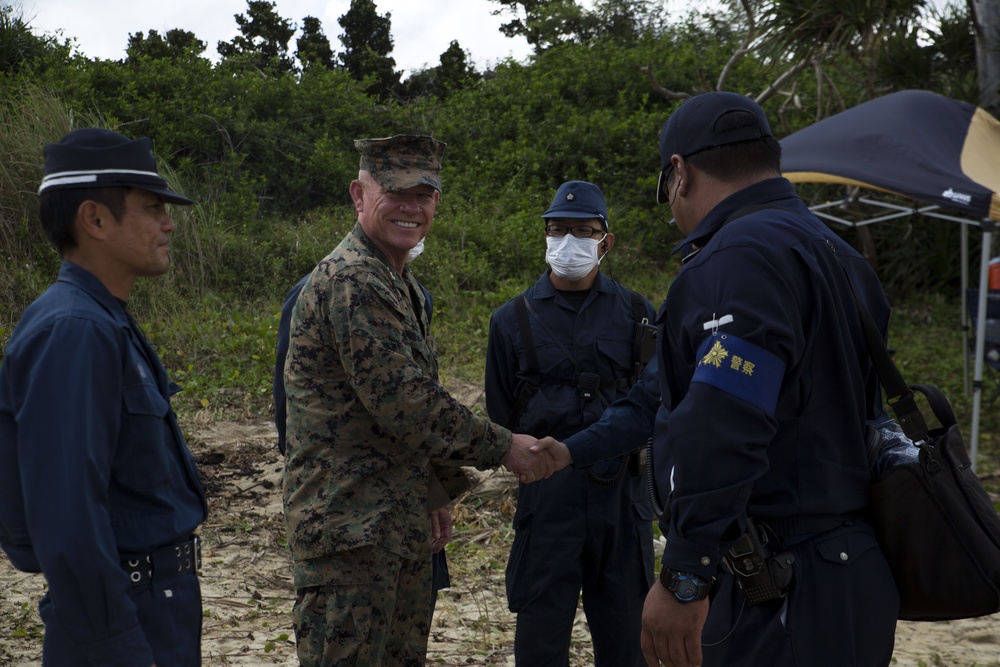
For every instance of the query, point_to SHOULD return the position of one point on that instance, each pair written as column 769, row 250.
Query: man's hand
column 527, row 463
column 671, row 630
column 558, row 451
column 440, row 529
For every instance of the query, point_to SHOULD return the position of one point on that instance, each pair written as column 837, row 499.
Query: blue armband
column 740, row 369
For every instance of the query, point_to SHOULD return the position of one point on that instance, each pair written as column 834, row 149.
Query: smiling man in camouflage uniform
column 375, row 443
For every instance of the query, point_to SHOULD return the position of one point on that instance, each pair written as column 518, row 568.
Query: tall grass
column 29, row 262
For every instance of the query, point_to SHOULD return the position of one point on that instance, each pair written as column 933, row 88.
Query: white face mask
column 571, row 258
column 414, row 252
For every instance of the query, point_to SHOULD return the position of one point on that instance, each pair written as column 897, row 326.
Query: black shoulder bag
column 935, row 521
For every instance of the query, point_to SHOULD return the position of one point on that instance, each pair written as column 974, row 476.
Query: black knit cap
column 97, row 158
column 691, row 129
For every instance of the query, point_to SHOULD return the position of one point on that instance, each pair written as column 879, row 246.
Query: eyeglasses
column 558, row 231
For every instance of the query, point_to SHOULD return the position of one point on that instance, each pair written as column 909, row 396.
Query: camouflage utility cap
column 402, row 161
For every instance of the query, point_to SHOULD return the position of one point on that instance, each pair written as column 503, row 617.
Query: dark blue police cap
column 691, row 129
column 97, row 158
column 578, row 199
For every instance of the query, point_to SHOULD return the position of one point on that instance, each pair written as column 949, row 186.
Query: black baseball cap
column 691, row 129
column 97, row 158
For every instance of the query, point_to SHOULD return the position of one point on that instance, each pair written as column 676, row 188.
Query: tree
column 937, row 54
column 18, row 44
column 875, row 40
column 455, row 70
column 548, row 23
column 176, row 44
column 264, row 38
column 367, row 40
column 453, row 73
column 986, row 21
column 313, row 47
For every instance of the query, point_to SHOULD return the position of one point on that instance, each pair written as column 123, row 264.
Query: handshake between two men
column 534, row 459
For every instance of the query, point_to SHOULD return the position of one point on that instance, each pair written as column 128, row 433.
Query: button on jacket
column 91, row 454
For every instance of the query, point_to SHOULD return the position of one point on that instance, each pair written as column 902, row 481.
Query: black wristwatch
column 686, row 587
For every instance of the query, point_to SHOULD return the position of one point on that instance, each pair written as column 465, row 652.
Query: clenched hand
column 529, row 459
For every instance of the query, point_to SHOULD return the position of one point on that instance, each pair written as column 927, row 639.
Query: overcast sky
column 421, row 29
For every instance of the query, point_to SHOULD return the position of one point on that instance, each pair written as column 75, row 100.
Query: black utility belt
column 169, row 561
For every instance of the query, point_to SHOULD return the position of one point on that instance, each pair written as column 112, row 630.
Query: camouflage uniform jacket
column 369, row 426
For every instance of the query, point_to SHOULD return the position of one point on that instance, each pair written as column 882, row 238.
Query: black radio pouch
column 761, row 574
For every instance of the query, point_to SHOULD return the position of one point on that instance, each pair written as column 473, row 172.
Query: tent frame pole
column 964, row 313
column 988, row 226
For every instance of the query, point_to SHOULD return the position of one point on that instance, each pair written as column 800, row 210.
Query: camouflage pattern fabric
column 368, row 423
column 402, row 161
column 372, row 612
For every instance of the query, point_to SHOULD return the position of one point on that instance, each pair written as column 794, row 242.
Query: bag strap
column 898, row 394
column 589, row 381
column 530, row 384
column 939, row 404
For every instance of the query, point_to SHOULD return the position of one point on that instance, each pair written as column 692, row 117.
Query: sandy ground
column 248, row 593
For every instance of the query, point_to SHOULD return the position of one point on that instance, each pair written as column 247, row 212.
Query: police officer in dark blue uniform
column 98, row 490
column 558, row 355
column 767, row 379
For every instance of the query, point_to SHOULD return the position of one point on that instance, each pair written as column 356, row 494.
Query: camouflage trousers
column 371, row 612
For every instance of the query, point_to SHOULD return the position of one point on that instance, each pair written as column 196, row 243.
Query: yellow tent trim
column 819, row 177
column 979, row 156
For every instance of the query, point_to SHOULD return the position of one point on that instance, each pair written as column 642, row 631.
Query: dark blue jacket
column 766, row 375
column 93, row 466
column 600, row 338
column 627, row 424
column 281, row 351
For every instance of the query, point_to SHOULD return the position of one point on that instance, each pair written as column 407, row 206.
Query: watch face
column 687, row 589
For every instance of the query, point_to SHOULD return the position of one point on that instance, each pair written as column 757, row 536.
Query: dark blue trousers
column 169, row 612
column 573, row 535
column 840, row 611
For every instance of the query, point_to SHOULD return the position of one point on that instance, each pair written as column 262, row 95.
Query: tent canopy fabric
column 913, row 143
column 921, row 146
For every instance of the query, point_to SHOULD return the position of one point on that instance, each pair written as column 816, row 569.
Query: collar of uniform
column 89, row 283
column 545, row 289
column 361, row 237
column 771, row 189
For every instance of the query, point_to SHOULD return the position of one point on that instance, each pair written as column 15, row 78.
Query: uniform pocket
column 144, row 399
column 145, row 460
column 518, row 576
column 845, row 545
column 844, row 574
column 618, row 353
